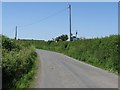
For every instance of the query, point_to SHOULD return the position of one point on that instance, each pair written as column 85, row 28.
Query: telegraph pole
column 15, row 32
column 70, row 20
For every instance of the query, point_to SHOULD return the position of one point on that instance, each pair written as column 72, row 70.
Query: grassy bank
column 100, row 52
column 18, row 63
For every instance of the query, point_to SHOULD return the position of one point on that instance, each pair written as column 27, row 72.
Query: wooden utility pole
column 70, row 20
column 15, row 32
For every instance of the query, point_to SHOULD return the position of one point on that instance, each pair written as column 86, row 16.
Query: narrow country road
column 59, row 71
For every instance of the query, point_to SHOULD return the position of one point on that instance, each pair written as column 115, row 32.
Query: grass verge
column 100, row 52
column 27, row 79
column 18, row 63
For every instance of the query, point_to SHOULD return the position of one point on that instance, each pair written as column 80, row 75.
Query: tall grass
column 100, row 52
column 18, row 60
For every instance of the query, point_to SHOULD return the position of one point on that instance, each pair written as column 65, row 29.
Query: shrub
column 16, row 61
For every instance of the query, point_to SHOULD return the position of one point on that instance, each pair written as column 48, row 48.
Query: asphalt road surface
column 60, row 71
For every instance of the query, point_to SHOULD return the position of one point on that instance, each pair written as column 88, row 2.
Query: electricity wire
column 45, row 18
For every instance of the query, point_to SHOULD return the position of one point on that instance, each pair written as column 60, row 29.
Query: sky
column 60, row 0
column 47, row 20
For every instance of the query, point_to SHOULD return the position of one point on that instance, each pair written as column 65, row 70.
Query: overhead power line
column 45, row 18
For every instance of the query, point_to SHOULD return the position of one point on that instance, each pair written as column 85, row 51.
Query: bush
column 17, row 59
column 9, row 44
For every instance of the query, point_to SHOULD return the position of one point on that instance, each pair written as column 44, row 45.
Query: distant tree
column 62, row 38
